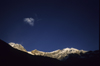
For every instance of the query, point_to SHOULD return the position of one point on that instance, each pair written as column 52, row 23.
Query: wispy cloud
column 30, row 21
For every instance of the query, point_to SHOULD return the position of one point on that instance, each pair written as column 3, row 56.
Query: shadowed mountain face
column 16, row 55
column 90, row 58
column 13, row 57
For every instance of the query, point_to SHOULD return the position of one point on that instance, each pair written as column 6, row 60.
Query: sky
column 48, row 25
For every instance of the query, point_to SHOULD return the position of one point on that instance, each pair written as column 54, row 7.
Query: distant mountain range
column 10, row 56
column 58, row 54
column 16, row 55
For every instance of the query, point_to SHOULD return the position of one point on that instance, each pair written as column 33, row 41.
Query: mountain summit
column 17, row 46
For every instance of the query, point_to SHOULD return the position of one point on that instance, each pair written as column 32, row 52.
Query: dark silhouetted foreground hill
column 92, row 58
column 13, row 57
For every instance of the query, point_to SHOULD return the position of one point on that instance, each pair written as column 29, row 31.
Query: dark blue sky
column 62, row 24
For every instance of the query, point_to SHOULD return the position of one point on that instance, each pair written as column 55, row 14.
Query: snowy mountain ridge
column 58, row 54
column 17, row 46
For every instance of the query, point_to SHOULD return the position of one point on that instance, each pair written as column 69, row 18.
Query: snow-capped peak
column 12, row 44
column 17, row 46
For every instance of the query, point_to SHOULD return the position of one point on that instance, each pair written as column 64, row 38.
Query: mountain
column 10, row 56
column 15, row 56
column 57, row 54
column 17, row 46
column 90, row 58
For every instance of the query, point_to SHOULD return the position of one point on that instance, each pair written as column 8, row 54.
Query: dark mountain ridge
column 92, row 58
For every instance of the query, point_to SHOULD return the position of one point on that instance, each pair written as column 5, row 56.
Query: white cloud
column 30, row 21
